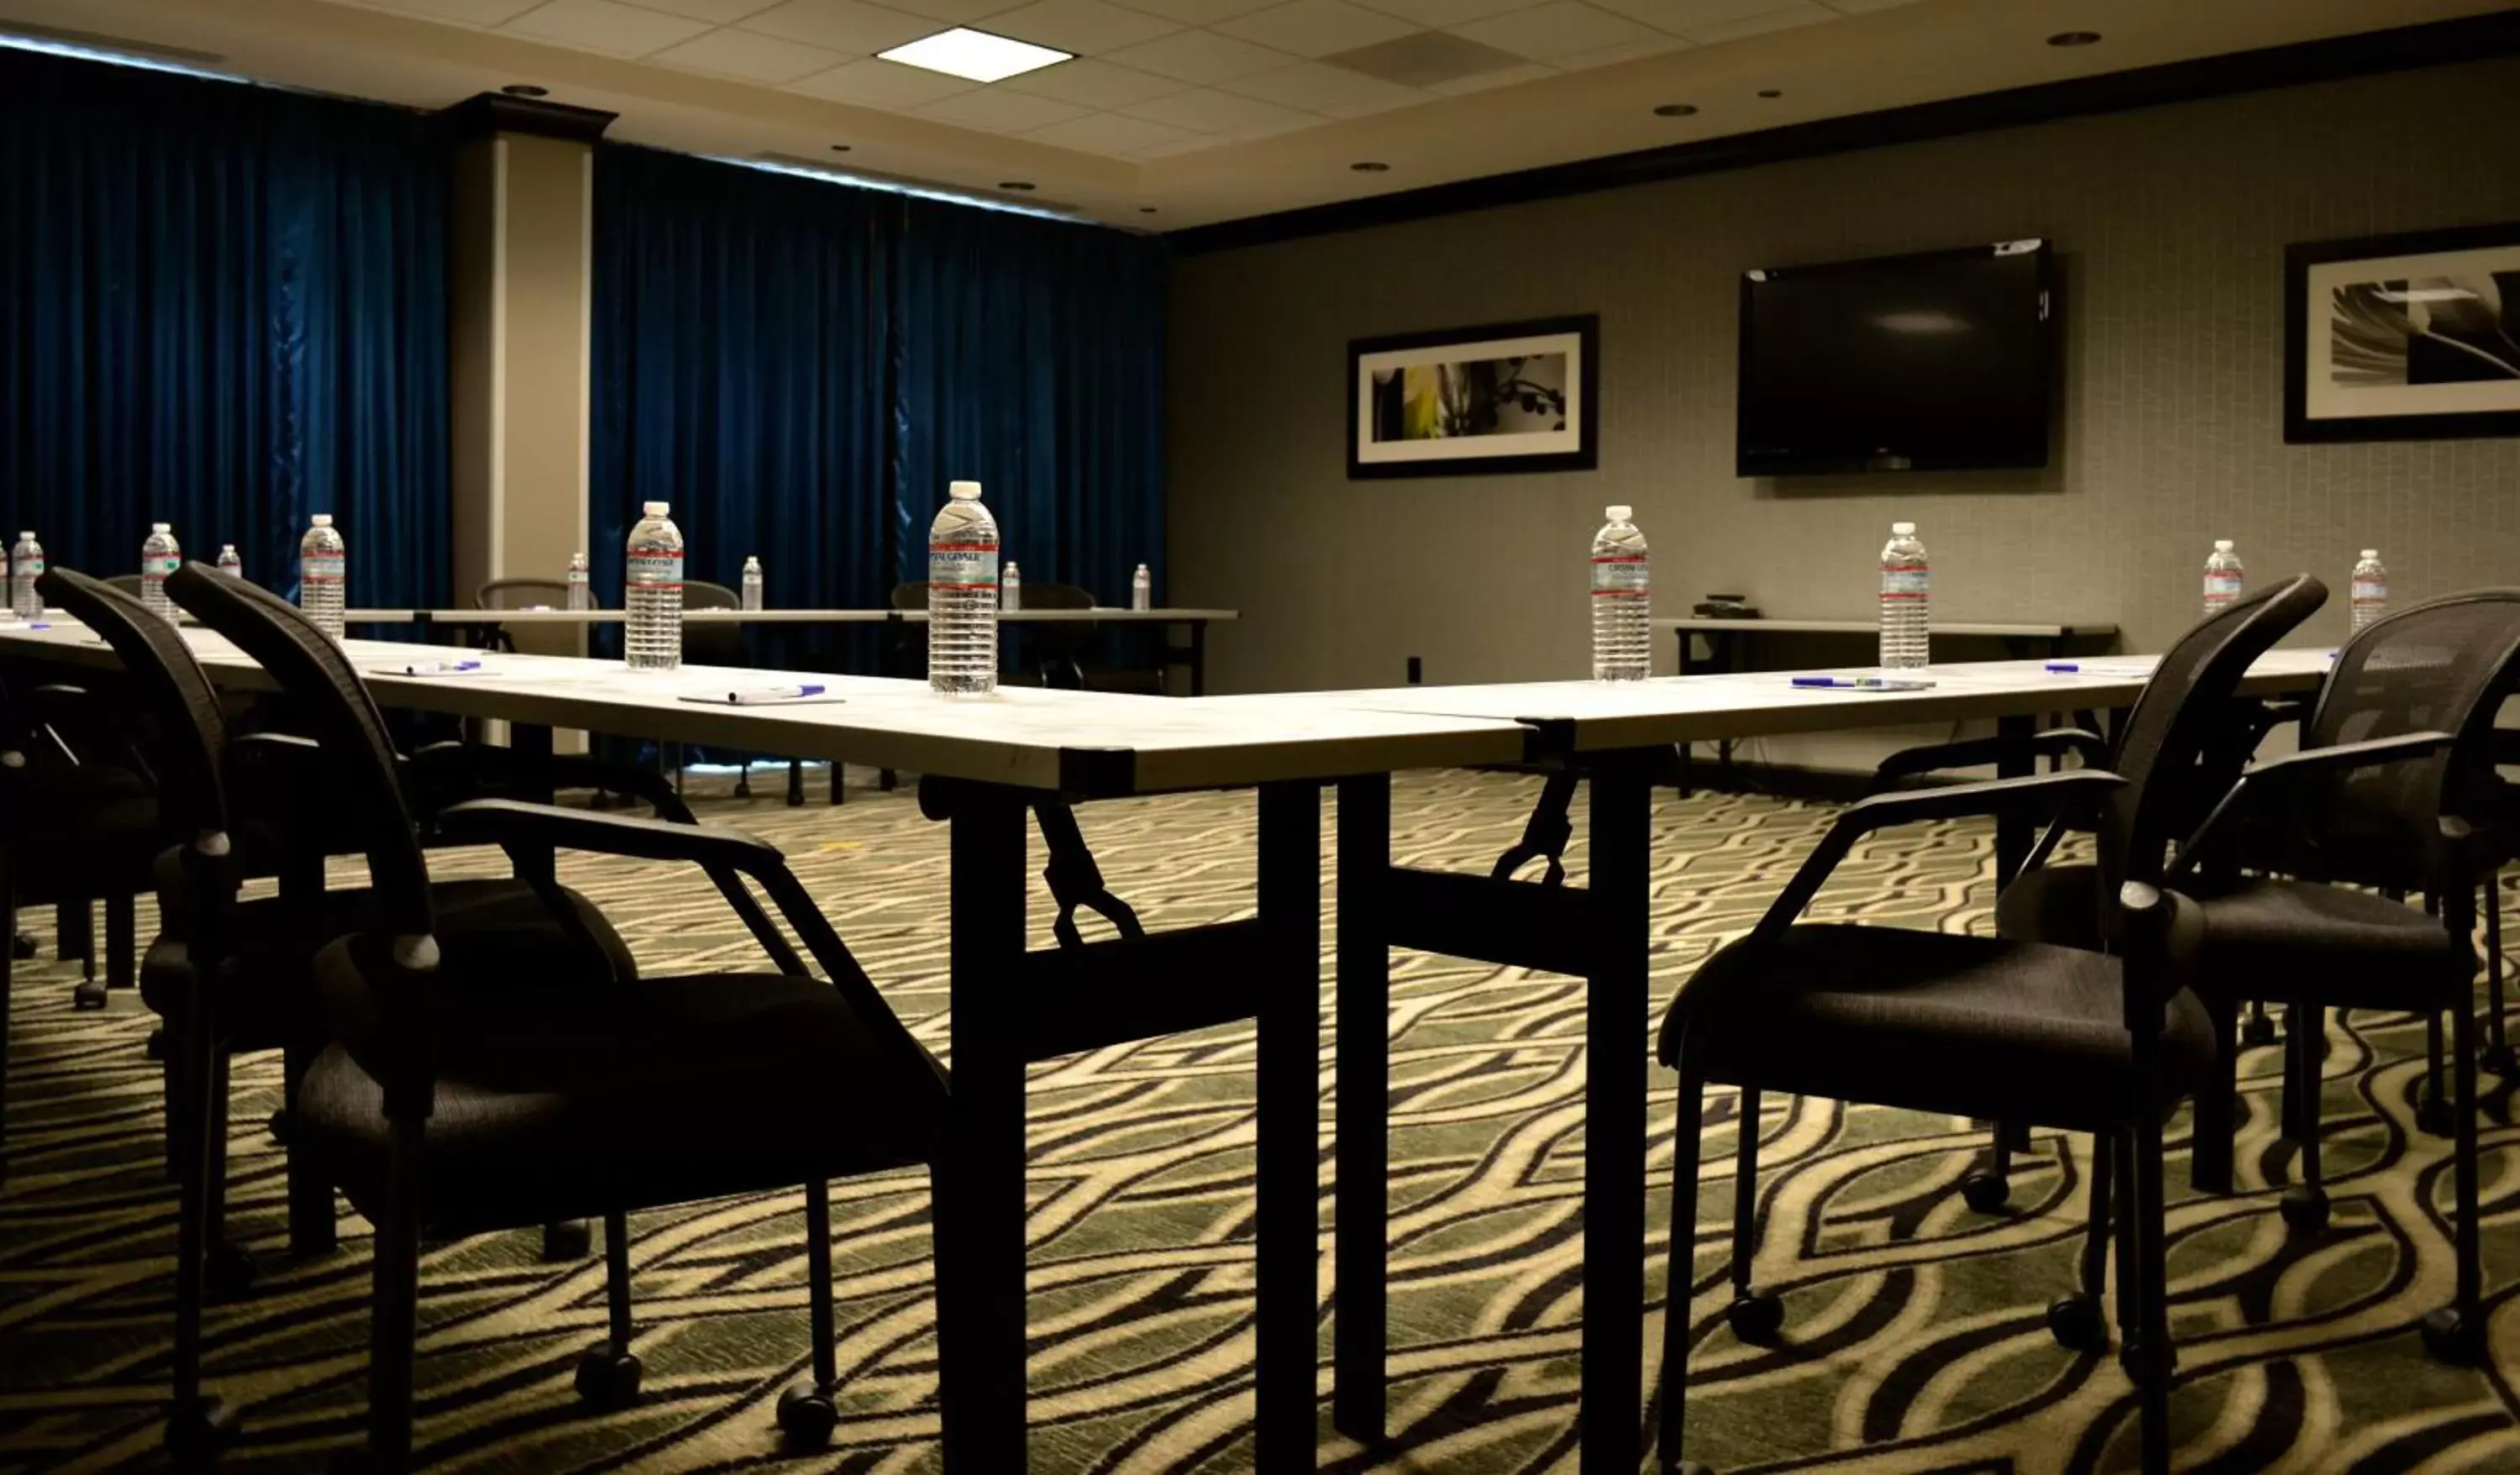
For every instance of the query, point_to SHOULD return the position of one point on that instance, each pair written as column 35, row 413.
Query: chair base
column 2131, row 1362
column 2500, row 1060
column 608, row 1378
column 1986, row 1191
column 88, row 996
column 567, row 1239
column 229, row 1272
column 278, row 1126
column 21, row 947
column 197, row 1432
column 2257, row 1029
column 1756, row 1317
column 156, row 1049
column 2454, row 1337
column 807, row 1416
column 2305, row 1210
column 2433, row 1118
column 2077, row 1324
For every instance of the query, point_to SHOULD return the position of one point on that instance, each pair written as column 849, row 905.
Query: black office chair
column 127, row 584
column 1070, row 653
column 1995, row 1028
column 442, row 1108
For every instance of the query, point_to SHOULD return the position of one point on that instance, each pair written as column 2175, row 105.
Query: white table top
column 2075, row 630
column 1594, row 716
column 1028, row 736
column 777, row 616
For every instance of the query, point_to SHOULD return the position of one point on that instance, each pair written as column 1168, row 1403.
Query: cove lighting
column 975, row 55
column 58, row 48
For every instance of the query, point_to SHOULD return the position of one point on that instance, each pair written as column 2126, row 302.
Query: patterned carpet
column 1915, row 1336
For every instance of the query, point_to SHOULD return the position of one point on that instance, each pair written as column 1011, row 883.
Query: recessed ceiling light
column 1014, row 184
column 1370, row 166
column 1675, row 110
column 2073, row 38
column 840, row 147
column 975, row 55
column 526, row 89
column 1145, row 209
column 1771, row 92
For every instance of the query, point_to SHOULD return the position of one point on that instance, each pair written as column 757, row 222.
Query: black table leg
column 1359, row 1324
column 531, row 743
column 1287, row 1166
column 1198, row 657
column 2014, row 834
column 980, row 1182
column 1614, row 1115
column 1686, row 667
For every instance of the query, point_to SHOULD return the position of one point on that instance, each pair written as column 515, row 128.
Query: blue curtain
column 224, row 307
column 800, row 368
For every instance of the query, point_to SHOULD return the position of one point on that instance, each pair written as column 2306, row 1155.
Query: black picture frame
column 1374, row 460
column 2303, row 277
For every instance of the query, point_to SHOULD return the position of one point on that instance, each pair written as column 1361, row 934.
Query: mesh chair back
column 2184, row 708
column 527, row 594
column 334, row 704
column 910, row 597
column 711, row 645
column 168, row 681
column 2442, row 666
column 124, row 583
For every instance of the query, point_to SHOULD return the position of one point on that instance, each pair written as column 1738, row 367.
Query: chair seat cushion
column 661, row 1092
column 2296, row 941
column 1930, row 1022
column 496, row 932
column 83, row 832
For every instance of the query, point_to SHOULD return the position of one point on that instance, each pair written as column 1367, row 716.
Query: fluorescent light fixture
column 50, row 46
column 975, row 55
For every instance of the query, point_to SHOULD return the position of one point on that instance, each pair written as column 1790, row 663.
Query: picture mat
column 2326, row 400
column 1371, row 451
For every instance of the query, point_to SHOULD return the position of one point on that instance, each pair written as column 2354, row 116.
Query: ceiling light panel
column 975, row 54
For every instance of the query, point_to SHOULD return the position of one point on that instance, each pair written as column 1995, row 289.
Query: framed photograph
column 2403, row 337
column 1506, row 397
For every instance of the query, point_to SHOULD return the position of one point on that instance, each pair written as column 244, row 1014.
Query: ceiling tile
column 456, row 12
column 755, row 58
column 1443, row 12
column 954, row 11
column 1089, row 83
column 1311, row 87
column 1315, row 28
column 1190, row 144
column 877, row 83
column 1108, row 133
column 1205, row 110
column 1200, row 55
column 1654, row 45
column 1680, row 15
column 994, row 109
column 715, row 12
column 1368, row 107
column 1088, row 28
column 1562, row 28
column 1804, row 14
column 1861, row 7
column 1198, row 12
column 621, row 31
column 1528, row 71
column 846, row 26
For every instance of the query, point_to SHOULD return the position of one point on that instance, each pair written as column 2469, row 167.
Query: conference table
column 988, row 762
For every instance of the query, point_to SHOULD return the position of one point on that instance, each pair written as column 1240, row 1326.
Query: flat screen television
column 1942, row 361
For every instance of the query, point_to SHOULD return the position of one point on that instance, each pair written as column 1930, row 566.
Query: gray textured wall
column 2170, row 225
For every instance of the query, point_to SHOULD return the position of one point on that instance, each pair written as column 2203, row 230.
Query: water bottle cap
column 964, row 491
column 1618, row 514
column 653, row 508
column 321, row 519
column 226, row 549
column 2368, row 553
column 2222, row 545
column 161, row 527
column 26, row 535
column 1903, row 529
column 1142, row 568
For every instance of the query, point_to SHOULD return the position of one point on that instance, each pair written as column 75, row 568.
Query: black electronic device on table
column 1726, row 606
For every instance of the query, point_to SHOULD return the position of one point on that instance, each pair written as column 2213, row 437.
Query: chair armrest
column 2039, row 792
column 512, row 822
column 478, row 771
column 2266, row 781
column 1977, row 752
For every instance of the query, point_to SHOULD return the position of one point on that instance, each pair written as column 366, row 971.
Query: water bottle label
column 30, row 568
column 160, row 566
column 320, row 568
column 964, row 566
column 1617, row 575
column 2221, row 588
column 2371, row 593
column 1903, row 581
column 657, row 569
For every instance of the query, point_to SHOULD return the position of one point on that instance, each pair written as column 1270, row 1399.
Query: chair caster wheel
column 21, row 947
column 2500, row 1060
column 1756, row 1317
column 2452, row 1336
column 88, row 996
column 807, row 1417
column 2075, row 1321
column 229, row 1272
column 2257, row 1029
column 199, row 1432
column 155, row 1050
column 608, row 1379
column 2305, row 1210
column 567, row 1239
column 279, row 1124
column 2433, row 1117
column 1986, row 1191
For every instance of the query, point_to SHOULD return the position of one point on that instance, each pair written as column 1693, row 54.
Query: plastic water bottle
column 229, row 564
column 1906, row 639
column 1010, row 587
column 1142, row 589
column 2225, row 578
column 752, row 583
column 654, row 593
column 2370, row 588
column 962, row 597
column 159, row 556
column 323, row 574
column 579, row 589
column 25, row 566
column 1622, row 600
